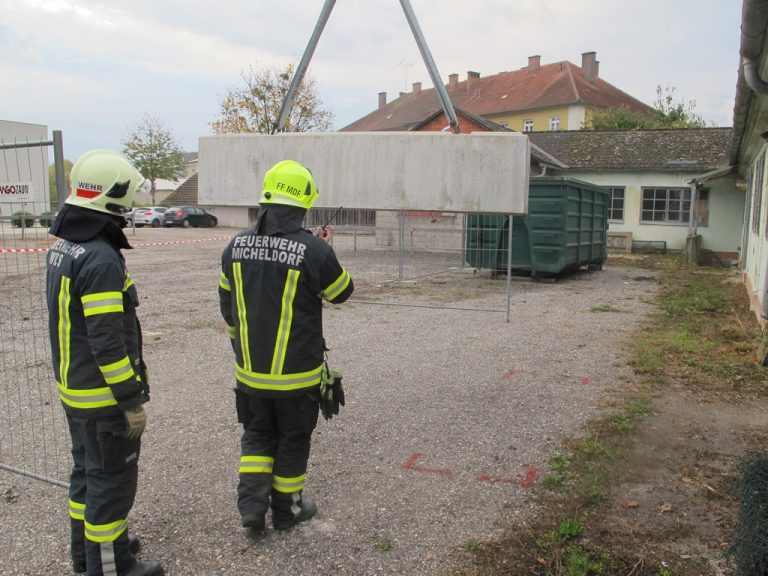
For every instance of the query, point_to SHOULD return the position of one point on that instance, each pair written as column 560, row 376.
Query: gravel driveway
column 451, row 416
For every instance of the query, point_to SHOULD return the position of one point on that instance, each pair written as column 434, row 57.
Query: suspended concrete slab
column 479, row 172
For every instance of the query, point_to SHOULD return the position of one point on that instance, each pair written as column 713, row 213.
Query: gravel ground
column 451, row 415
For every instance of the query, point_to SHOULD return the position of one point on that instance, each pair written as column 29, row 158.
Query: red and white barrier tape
column 142, row 245
column 181, row 241
column 15, row 250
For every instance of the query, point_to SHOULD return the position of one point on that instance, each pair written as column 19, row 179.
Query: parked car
column 187, row 216
column 152, row 216
column 129, row 218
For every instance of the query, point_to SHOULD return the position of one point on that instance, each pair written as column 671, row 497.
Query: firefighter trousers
column 102, row 488
column 275, row 446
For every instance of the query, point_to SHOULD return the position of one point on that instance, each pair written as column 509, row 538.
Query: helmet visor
column 119, row 208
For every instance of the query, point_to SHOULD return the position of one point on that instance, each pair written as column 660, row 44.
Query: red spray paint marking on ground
column 586, row 380
column 530, row 477
column 512, row 372
column 527, row 482
column 412, row 464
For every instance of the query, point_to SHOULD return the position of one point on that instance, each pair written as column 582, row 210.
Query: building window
column 527, row 125
column 504, row 124
column 554, row 123
column 671, row 205
column 616, row 207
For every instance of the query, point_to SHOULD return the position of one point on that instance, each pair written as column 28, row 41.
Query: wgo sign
column 15, row 191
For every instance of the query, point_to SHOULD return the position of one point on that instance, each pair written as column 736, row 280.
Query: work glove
column 331, row 393
column 136, row 419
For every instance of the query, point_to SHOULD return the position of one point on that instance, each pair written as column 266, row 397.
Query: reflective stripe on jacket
column 93, row 329
column 271, row 292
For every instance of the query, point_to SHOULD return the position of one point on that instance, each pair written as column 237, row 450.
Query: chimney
column 382, row 100
column 417, row 87
column 472, row 78
column 534, row 63
column 589, row 66
column 453, row 81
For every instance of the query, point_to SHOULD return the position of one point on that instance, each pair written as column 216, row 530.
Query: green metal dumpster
column 565, row 228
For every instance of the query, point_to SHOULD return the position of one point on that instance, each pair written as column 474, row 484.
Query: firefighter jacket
column 271, row 293
column 94, row 334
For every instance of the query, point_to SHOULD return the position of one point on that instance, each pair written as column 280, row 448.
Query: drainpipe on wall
column 693, row 217
column 693, row 242
column 754, row 18
column 752, row 76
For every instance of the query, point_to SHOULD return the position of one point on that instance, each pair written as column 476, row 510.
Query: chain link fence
column 750, row 539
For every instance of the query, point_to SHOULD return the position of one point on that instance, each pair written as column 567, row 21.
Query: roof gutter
column 711, row 175
column 754, row 19
column 752, row 76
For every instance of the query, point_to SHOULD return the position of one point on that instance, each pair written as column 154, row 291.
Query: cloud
column 102, row 36
column 87, row 61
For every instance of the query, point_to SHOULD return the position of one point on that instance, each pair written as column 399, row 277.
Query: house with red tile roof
column 656, row 180
column 558, row 96
column 665, row 185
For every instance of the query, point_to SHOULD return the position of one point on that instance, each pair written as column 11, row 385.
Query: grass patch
column 569, row 529
column 473, row 545
column 384, row 544
column 702, row 337
column 604, row 308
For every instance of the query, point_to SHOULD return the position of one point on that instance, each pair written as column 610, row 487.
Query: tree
column 668, row 114
column 255, row 107
column 671, row 114
column 52, row 192
column 618, row 119
column 153, row 150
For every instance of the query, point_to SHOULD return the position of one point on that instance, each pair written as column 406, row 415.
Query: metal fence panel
column 33, row 432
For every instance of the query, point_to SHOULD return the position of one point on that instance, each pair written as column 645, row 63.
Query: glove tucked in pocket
column 331, row 392
column 117, row 452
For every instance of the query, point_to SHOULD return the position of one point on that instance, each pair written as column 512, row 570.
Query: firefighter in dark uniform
column 96, row 352
column 274, row 279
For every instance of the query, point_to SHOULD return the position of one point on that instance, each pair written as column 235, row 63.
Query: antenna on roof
column 405, row 66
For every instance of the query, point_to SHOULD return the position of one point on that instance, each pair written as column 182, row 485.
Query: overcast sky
column 93, row 68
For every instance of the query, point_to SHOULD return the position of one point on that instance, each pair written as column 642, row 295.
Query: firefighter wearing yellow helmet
column 97, row 361
column 274, row 278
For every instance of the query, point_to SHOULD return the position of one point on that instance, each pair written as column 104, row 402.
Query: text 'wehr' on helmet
column 105, row 181
column 289, row 183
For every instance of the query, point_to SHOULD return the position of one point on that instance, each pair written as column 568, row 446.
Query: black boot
column 253, row 521
column 78, row 560
column 290, row 509
column 253, row 499
column 145, row 568
column 77, row 545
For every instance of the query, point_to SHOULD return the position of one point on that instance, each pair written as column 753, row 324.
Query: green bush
column 46, row 218
column 21, row 217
